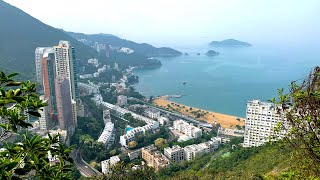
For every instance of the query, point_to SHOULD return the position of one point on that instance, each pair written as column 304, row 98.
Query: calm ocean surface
column 226, row 82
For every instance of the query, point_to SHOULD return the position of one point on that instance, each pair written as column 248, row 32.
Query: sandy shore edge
column 226, row 121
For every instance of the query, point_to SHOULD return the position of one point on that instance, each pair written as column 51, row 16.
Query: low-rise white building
column 106, row 116
column 174, row 153
column 195, row 150
column 93, row 61
column 187, row 129
column 152, row 113
column 134, row 154
column 96, row 74
column 85, row 76
column 163, row 121
column 116, row 66
column 107, row 164
column 226, row 132
column 103, row 69
column 130, row 135
column 121, row 87
column 122, row 100
column 88, row 89
column 126, row 50
column 106, row 136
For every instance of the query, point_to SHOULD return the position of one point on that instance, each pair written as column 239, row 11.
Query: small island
column 198, row 54
column 229, row 43
column 212, row 53
column 186, row 54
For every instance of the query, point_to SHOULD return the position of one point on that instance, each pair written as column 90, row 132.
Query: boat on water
column 184, row 82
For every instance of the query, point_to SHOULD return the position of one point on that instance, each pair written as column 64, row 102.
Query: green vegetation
column 104, row 76
column 21, row 34
column 133, row 59
column 88, row 131
column 160, row 143
column 132, row 145
column 142, row 49
column 17, row 47
column 191, row 169
column 235, row 162
column 122, row 171
column 205, row 137
column 133, row 122
column 301, row 109
column 149, row 137
column 296, row 156
column 28, row 158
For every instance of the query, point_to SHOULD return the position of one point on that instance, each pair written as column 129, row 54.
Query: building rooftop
column 173, row 148
column 150, row 110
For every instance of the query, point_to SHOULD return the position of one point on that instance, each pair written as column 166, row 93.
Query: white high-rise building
column 65, row 65
column 261, row 119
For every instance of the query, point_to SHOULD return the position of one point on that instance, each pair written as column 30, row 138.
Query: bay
column 226, row 82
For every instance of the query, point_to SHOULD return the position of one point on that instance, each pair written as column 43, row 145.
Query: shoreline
column 226, row 121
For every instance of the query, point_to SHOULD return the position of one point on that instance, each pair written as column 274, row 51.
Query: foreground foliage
column 28, row 158
column 301, row 111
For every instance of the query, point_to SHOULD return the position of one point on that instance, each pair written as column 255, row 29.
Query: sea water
column 226, row 82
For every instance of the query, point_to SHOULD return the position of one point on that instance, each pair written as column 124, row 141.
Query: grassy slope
column 266, row 162
column 259, row 163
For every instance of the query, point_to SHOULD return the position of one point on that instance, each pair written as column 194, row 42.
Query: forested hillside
column 20, row 34
column 143, row 48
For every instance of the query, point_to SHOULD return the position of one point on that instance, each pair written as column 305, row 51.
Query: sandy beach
column 226, row 121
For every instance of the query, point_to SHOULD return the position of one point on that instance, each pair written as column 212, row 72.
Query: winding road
column 84, row 168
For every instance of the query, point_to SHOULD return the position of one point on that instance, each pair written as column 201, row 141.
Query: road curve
column 84, row 168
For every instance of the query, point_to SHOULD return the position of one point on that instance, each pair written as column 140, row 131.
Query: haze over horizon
column 171, row 23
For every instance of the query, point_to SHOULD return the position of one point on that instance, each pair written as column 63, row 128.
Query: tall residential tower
column 56, row 73
column 65, row 65
column 261, row 119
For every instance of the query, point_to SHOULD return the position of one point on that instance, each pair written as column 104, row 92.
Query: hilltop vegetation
column 230, row 43
column 21, row 34
column 265, row 162
column 143, row 48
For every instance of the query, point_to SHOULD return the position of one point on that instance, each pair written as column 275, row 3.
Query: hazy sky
column 164, row 22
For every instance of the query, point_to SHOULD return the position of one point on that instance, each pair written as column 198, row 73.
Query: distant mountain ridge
column 230, row 42
column 143, row 48
column 21, row 34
